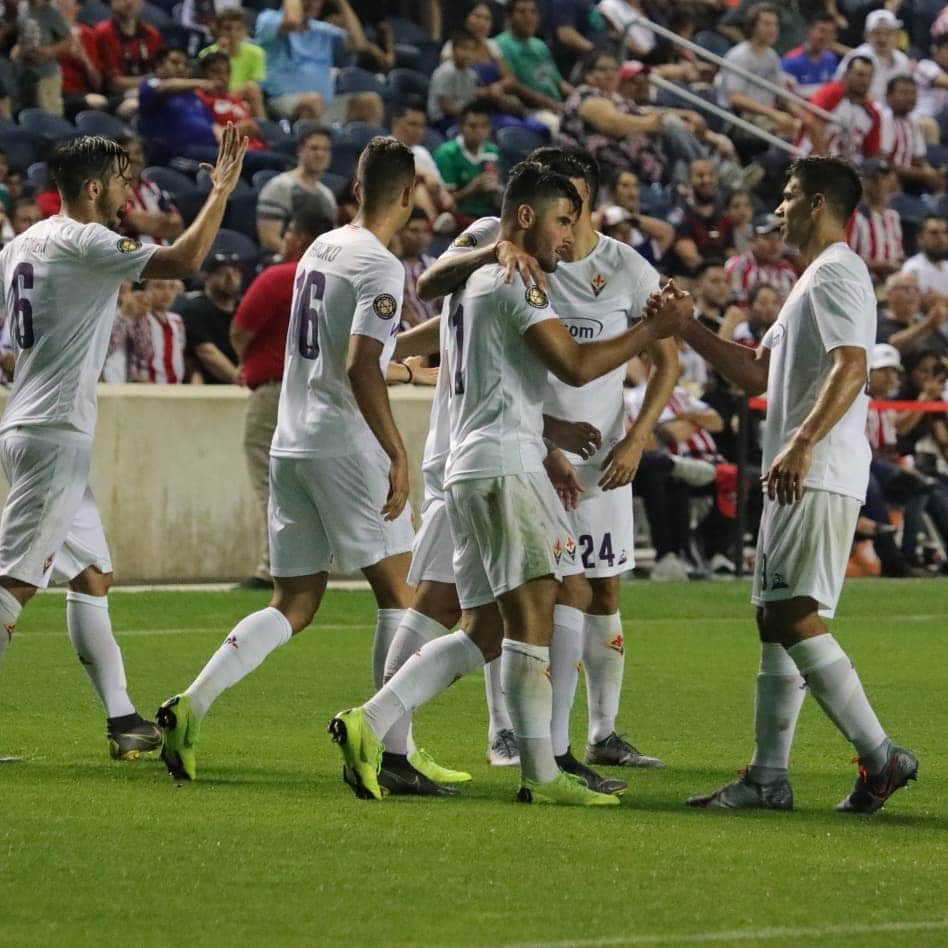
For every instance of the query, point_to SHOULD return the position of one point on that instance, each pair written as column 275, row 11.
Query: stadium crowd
column 472, row 90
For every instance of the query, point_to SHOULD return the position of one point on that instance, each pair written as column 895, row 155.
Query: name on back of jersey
column 327, row 252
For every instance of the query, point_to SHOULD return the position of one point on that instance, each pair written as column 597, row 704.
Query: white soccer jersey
column 347, row 284
column 60, row 281
column 832, row 305
column 497, row 384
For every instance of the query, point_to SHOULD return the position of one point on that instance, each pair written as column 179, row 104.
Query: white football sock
column 387, row 622
column 780, row 694
column 604, row 661
column 10, row 610
column 566, row 652
column 251, row 641
column 414, row 632
column 833, row 681
column 499, row 719
column 90, row 631
column 424, row 676
column 529, row 696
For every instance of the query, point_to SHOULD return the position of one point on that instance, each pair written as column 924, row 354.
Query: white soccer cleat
column 503, row 750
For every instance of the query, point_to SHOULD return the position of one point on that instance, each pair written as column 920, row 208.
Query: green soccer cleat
column 569, row 764
column 180, row 726
column 566, row 790
column 361, row 753
column 134, row 738
column 423, row 762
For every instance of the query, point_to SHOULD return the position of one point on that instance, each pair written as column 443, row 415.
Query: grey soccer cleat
column 872, row 790
column 134, row 738
column 503, row 750
column 746, row 794
column 615, row 751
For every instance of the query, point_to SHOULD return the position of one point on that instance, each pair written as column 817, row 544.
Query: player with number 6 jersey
column 60, row 281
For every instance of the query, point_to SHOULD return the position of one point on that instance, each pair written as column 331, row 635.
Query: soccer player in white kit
column 509, row 538
column 597, row 292
column 338, row 467
column 813, row 364
column 60, row 283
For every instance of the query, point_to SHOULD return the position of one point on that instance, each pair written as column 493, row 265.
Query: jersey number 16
column 22, row 285
column 310, row 287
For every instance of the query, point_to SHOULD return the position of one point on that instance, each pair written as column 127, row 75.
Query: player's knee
column 576, row 592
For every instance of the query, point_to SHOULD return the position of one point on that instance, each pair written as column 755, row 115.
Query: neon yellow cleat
column 180, row 726
column 566, row 790
column 361, row 753
column 423, row 762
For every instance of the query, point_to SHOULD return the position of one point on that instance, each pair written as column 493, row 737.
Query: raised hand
column 230, row 159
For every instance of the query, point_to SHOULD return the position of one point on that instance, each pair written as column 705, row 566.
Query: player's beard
column 106, row 211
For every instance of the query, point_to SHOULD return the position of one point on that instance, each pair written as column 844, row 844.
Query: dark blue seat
column 356, row 134
column 515, row 144
column 203, row 181
column 335, row 182
column 174, row 182
column 407, row 84
column 910, row 208
column 433, row 140
column 154, row 16
column 938, row 155
column 354, row 79
column 713, row 41
column 20, row 147
column 260, row 178
column 36, row 175
column 274, row 136
column 94, row 11
column 345, row 156
column 46, row 127
column 94, row 122
column 241, row 214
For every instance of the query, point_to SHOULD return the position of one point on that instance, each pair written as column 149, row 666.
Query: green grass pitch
column 270, row 848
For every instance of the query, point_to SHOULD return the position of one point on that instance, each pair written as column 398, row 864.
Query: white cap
column 885, row 356
column 612, row 215
column 882, row 18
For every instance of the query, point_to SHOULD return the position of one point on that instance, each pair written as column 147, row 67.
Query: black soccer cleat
column 131, row 736
column 398, row 778
column 568, row 763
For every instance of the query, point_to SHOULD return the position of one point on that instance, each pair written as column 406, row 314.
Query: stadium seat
column 354, row 79
column 335, row 182
column 938, row 155
column 241, row 214
column 232, row 242
column 20, row 147
column 46, row 127
column 515, row 144
column 344, row 159
column 203, row 181
column 36, row 175
column 170, row 180
column 189, row 203
column 910, row 208
column 433, row 140
column 94, row 122
column 407, row 84
column 260, row 178
column 154, row 16
column 357, row 134
column 276, row 138
column 94, row 11
column 713, row 41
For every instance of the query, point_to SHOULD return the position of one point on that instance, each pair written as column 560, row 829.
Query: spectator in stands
column 488, row 59
column 285, row 194
column 648, row 235
column 763, row 263
column 80, row 64
column 157, row 339
column 902, row 323
column 882, row 37
column 469, row 165
column 621, row 20
column 127, row 50
column 414, row 240
column 409, row 126
column 207, row 317
column 930, row 264
column 300, row 50
column 131, row 306
column 791, row 24
column 4, row 190
column 258, row 337
column 903, row 140
column 875, row 230
column 26, row 213
column 703, row 229
column 932, row 78
column 42, row 36
column 596, row 117
column 378, row 54
column 756, row 54
column 712, row 293
column 149, row 215
column 814, row 63
column 248, row 62
column 740, row 215
column 856, row 133
column 454, row 83
column 576, row 28
column 225, row 106
column 539, row 84
column 763, row 305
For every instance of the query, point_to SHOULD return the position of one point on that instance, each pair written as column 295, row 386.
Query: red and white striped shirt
column 148, row 197
column 880, row 429
column 876, row 235
column 743, row 271
column 857, row 131
column 902, row 138
column 700, row 444
column 157, row 349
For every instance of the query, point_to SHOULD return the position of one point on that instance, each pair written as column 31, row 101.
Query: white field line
column 346, row 585
column 744, row 934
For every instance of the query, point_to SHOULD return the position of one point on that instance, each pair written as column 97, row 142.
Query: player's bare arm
column 846, row 380
column 577, row 437
column 187, row 253
column 371, row 395
column 421, row 340
column 447, row 274
column 622, row 463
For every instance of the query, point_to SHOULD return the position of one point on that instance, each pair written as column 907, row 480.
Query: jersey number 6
column 22, row 284
column 310, row 288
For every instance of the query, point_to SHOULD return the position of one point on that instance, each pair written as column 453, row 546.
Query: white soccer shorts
column 603, row 526
column 432, row 556
column 507, row 531
column 803, row 549
column 325, row 514
column 50, row 530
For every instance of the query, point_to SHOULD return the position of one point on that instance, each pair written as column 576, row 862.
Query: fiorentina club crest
column 598, row 284
column 618, row 644
column 571, row 548
column 557, row 552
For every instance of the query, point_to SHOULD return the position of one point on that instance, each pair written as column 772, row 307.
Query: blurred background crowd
column 692, row 149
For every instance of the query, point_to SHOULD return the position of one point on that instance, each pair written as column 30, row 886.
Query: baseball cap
column 220, row 259
column 631, row 68
column 873, row 167
column 885, row 356
column 612, row 215
column 766, row 224
column 882, row 18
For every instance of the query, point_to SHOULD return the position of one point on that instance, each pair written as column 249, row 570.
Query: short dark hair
column 386, row 167
column 77, row 160
column 463, row 36
column 475, row 108
column 822, row 17
column 893, row 83
column 410, row 103
column 865, row 60
column 757, row 289
column 928, row 218
column 531, row 183
column 310, row 222
column 834, row 178
column 712, row 263
column 514, row 3
column 166, row 51
column 310, row 130
column 571, row 162
column 755, row 13
column 206, row 62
